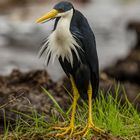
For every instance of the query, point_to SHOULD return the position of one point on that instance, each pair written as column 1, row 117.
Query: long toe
column 97, row 130
column 88, row 128
column 65, row 131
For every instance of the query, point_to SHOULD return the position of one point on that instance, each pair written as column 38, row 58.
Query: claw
column 88, row 127
column 70, row 129
column 67, row 130
column 90, row 124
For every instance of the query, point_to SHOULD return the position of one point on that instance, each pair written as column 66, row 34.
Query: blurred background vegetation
column 20, row 37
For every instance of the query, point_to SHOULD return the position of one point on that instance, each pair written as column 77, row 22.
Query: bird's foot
column 90, row 126
column 66, row 130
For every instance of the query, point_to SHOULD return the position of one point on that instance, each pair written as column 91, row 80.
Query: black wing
column 80, row 25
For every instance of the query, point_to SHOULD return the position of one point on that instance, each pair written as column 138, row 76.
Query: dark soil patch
column 36, row 136
column 128, row 69
column 108, row 137
column 22, row 92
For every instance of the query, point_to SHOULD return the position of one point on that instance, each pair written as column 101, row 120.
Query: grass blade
column 54, row 101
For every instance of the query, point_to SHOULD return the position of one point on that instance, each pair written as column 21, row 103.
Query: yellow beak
column 53, row 13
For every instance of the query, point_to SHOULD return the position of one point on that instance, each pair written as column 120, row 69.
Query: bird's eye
column 61, row 10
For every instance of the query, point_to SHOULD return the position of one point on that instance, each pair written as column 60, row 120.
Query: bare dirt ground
column 22, row 92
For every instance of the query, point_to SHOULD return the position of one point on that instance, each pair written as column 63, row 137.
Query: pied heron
column 72, row 42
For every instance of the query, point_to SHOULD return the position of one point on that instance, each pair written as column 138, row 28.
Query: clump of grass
column 108, row 114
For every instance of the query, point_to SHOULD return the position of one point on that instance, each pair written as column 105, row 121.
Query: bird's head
column 60, row 10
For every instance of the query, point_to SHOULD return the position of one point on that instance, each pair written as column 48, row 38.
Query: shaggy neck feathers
column 61, row 42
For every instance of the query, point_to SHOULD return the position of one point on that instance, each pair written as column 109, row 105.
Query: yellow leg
column 90, row 125
column 70, row 129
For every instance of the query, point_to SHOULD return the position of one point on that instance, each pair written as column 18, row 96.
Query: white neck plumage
column 61, row 41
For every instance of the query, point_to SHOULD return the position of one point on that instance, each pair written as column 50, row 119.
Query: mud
column 22, row 92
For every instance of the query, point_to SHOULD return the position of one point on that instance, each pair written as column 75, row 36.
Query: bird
column 73, row 43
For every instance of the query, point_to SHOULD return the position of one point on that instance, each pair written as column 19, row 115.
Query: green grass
column 108, row 114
